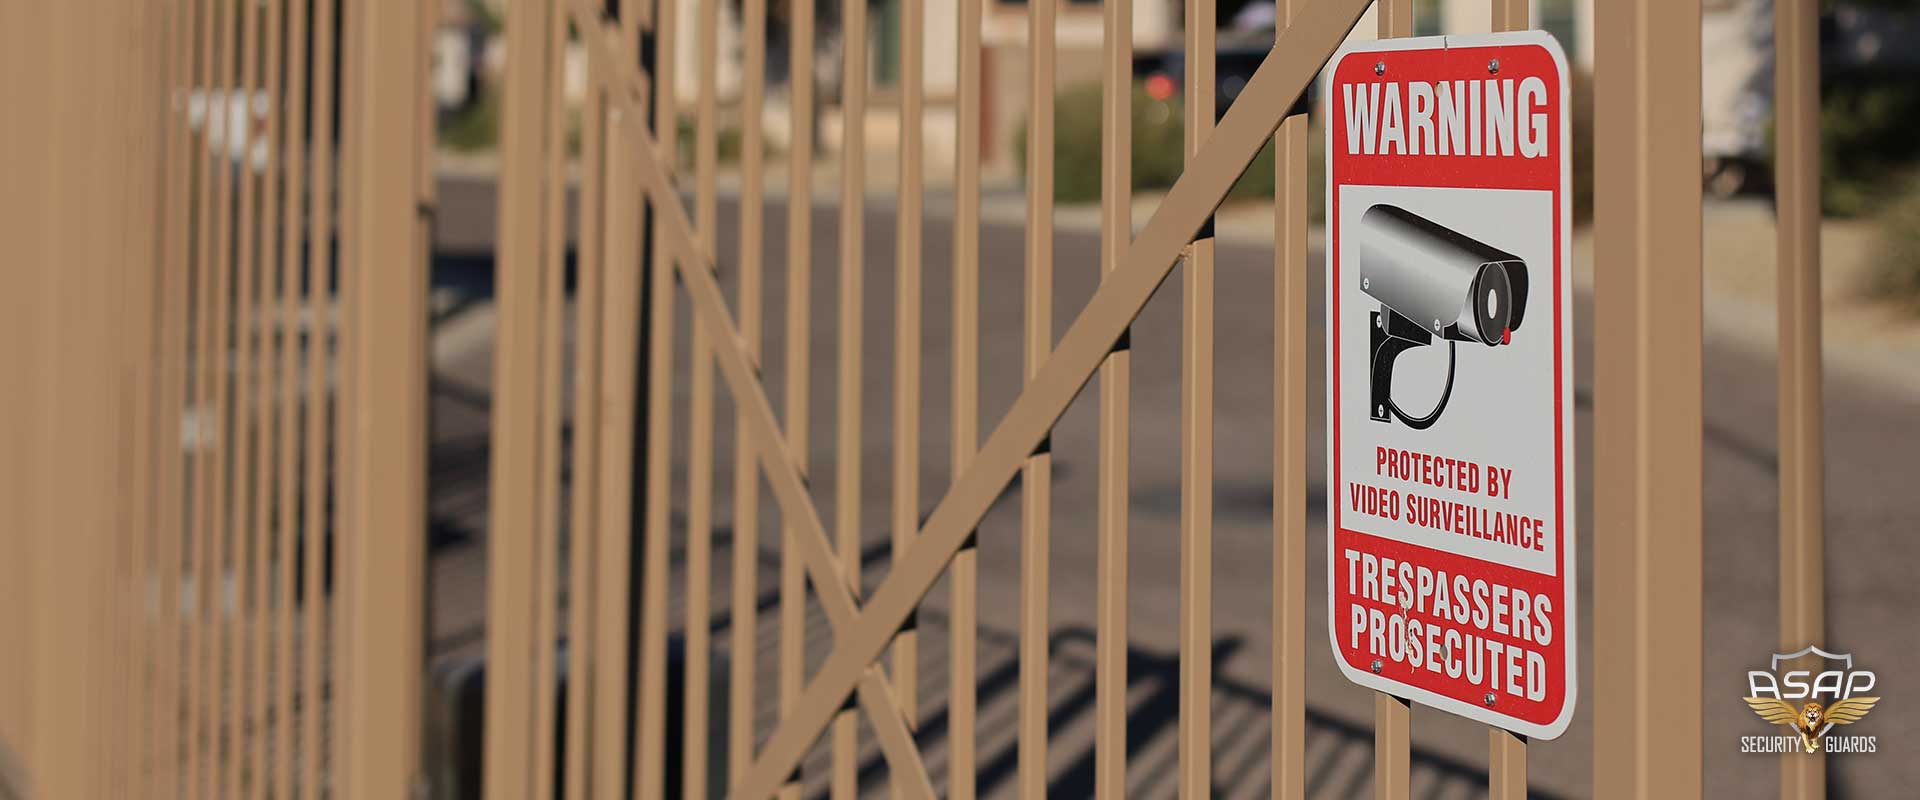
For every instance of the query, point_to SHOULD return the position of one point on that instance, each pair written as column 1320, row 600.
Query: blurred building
column 1004, row 64
column 1736, row 72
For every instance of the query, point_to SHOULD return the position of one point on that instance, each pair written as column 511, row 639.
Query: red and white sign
column 1450, row 375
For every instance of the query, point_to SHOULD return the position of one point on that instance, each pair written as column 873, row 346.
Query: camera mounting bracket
column 1389, row 337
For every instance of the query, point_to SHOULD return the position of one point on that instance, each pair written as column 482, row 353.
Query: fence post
column 68, row 230
column 384, row 282
column 514, row 436
column 1796, row 81
column 1392, row 716
column 1506, row 750
column 1291, row 300
column 1647, row 429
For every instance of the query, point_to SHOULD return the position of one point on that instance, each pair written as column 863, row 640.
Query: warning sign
column 1450, row 375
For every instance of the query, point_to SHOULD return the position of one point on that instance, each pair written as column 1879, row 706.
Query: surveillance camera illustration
column 1431, row 282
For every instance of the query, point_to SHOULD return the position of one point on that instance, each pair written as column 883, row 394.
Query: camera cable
column 1424, row 422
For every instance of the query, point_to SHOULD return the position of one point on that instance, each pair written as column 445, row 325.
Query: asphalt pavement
column 1873, row 515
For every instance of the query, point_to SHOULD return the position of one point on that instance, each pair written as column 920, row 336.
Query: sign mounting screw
column 1490, row 699
column 1376, row 666
column 1493, row 65
column 1379, row 67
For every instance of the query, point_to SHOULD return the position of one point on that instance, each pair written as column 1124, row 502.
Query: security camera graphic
column 1431, row 282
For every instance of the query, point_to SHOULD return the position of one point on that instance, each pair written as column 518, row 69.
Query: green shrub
column 476, row 127
column 1158, row 157
column 1866, row 119
column 1897, row 253
column 726, row 142
column 1865, row 137
column 1076, row 143
column 1159, row 137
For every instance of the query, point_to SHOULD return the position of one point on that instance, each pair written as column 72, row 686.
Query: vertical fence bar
column 217, row 367
column 1392, row 718
column 220, row 368
column 112, row 631
column 426, row 202
column 144, row 586
column 513, row 502
column 1116, row 233
column 21, row 234
column 653, row 628
column 696, row 688
column 15, row 324
column 1290, row 310
column 266, row 474
column 386, row 436
column 651, row 758
column 1196, row 436
column 81, row 140
column 143, row 262
column 623, row 293
column 548, row 418
column 1506, row 764
column 248, row 428
column 294, row 210
column 585, row 650
column 847, row 461
column 318, row 518
column 200, row 402
column 633, row 17
column 201, row 410
column 965, row 569
column 1510, row 15
column 907, row 328
column 1796, row 82
column 621, row 298
column 350, row 260
column 195, row 231
column 1647, row 424
column 15, row 611
column 239, row 422
column 245, row 372
column 194, row 223
column 793, row 598
column 1506, row 750
column 1036, row 476
column 745, row 627
column 175, row 378
column 118, row 631
column 1391, row 731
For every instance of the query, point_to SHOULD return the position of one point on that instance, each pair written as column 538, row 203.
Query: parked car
column 1238, row 53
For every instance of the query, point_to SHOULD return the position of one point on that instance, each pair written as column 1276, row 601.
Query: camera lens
column 1490, row 305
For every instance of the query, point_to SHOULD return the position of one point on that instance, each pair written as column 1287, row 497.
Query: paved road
column 1873, row 507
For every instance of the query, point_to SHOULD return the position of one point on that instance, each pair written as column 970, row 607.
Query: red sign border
column 1566, row 592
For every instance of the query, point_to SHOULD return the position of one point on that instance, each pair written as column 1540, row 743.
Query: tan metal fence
column 211, row 572
column 1648, row 537
column 212, row 543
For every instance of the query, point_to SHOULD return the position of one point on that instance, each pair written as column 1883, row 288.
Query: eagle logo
column 1811, row 721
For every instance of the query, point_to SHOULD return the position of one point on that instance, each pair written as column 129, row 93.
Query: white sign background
column 1501, row 411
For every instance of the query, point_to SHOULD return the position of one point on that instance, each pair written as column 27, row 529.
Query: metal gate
column 211, row 571
column 610, row 542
